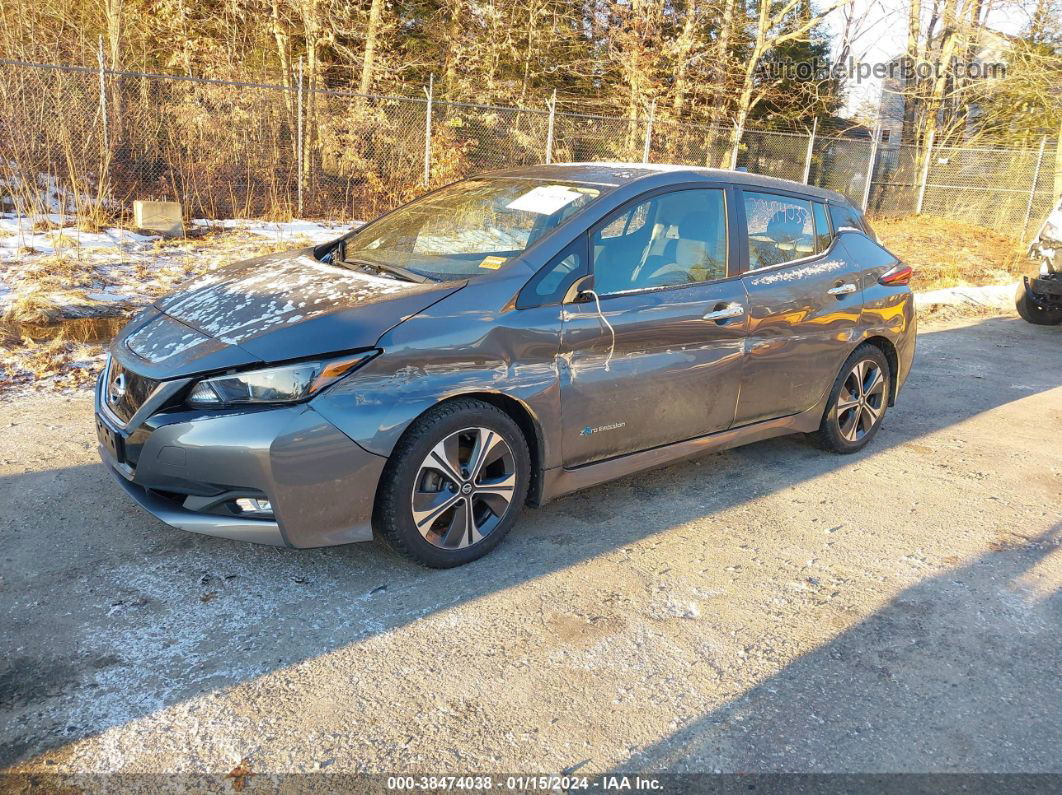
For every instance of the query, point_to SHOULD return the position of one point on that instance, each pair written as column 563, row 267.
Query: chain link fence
column 87, row 142
column 579, row 137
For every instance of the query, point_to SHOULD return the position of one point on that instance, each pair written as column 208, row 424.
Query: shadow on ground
column 947, row 677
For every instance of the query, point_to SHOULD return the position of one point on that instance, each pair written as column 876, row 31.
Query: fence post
column 552, row 105
column 649, row 132
column 1058, row 165
column 870, row 168
column 103, row 97
column 925, row 173
column 298, row 141
column 734, row 151
column 429, row 93
column 811, row 146
column 1032, row 190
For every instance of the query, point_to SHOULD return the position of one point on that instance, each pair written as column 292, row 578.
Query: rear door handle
column 842, row 289
column 726, row 313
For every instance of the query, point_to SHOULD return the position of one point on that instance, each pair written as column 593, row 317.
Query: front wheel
column 454, row 484
column 1031, row 311
column 857, row 403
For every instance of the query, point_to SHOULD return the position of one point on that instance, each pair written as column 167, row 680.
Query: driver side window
column 671, row 239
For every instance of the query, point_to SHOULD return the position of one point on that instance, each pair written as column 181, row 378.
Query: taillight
column 900, row 275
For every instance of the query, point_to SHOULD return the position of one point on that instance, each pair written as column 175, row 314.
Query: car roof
column 616, row 174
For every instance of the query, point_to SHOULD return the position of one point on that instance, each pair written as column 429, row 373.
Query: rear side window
column 845, row 217
column 868, row 254
column 781, row 229
column 823, row 236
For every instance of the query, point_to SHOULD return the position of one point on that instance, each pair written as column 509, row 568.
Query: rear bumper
column 187, row 468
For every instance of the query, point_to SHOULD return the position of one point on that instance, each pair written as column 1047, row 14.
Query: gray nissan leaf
column 503, row 341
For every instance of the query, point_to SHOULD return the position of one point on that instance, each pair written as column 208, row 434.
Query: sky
column 885, row 37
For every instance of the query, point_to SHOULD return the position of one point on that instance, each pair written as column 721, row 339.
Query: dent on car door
column 805, row 299
column 656, row 358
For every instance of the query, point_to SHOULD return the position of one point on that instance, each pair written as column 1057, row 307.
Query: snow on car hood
column 274, row 308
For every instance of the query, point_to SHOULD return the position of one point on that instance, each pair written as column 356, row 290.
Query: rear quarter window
column 865, row 253
column 845, row 217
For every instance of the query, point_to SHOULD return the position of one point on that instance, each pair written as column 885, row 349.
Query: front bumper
column 258, row 531
column 187, row 467
column 1046, row 290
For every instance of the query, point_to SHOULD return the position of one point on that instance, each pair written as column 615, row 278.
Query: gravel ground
column 772, row 608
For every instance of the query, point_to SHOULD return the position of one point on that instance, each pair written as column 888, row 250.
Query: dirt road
column 769, row 608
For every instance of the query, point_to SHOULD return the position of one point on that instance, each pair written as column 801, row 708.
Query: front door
column 654, row 355
column 805, row 298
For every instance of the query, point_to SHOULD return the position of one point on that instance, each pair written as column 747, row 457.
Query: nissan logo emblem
column 116, row 390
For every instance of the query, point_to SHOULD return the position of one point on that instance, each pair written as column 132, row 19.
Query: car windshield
column 469, row 228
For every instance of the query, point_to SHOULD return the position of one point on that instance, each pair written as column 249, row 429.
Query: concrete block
column 164, row 218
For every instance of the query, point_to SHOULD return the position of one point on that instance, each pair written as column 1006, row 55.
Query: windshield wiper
column 394, row 270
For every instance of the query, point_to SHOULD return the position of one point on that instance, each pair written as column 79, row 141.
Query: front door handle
column 843, row 289
column 726, row 313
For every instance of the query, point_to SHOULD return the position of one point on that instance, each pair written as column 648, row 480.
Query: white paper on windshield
column 545, row 199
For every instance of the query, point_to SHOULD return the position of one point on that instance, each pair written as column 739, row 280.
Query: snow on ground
column 21, row 237
column 315, row 231
column 50, row 270
column 73, row 273
column 990, row 296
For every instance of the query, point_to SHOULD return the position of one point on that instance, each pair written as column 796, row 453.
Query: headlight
column 287, row 383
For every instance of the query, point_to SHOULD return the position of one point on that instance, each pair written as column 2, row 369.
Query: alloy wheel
column 464, row 488
column 861, row 401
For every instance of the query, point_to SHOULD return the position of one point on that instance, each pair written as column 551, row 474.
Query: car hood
column 270, row 309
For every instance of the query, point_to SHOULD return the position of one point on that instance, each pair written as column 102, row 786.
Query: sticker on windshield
column 545, row 199
column 492, row 263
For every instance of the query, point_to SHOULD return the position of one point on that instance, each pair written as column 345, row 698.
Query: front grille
column 125, row 391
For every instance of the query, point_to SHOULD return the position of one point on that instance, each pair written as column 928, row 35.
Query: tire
column 858, row 402
column 1031, row 312
column 423, row 504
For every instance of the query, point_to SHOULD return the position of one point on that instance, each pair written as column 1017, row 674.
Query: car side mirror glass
column 579, row 293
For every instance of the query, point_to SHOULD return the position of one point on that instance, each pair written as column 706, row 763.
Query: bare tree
column 768, row 33
column 372, row 35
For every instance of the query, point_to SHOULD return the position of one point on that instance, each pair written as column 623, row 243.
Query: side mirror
column 578, row 292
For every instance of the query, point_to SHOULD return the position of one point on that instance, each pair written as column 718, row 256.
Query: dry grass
column 951, row 253
column 43, row 284
column 33, row 304
column 64, row 364
column 47, row 283
column 217, row 240
column 60, row 268
column 92, row 217
column 44, row 224
column 50, row 288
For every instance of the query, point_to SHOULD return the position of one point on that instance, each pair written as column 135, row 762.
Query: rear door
column 805, row 298
column 656, row 356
